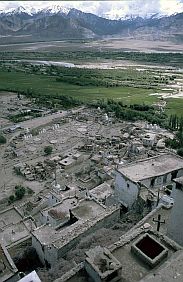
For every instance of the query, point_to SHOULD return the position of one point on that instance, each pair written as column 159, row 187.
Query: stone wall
column 71, row 273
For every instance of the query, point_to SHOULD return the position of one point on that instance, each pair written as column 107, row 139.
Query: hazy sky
column 110, row 8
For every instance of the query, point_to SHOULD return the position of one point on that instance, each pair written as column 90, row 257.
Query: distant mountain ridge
column 60, row 23
column 58, row 9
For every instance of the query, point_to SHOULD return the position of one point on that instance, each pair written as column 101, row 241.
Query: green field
column 46, row 85
column 174, row 106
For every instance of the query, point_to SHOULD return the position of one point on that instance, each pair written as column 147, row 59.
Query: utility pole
column 55, row 175
column 158, row 198
column 159, row 222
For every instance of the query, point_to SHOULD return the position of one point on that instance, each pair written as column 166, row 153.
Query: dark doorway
column 152, row 182
column 123, row 210
column 174, row 174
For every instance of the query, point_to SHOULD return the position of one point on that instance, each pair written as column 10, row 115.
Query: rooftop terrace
column 87, row 209
column 152, row 167
column 48, row 235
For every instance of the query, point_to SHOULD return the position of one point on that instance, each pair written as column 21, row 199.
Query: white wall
column 51, row 254
column 161, row 180
column 52, row 200
column 44, row 252
column 36, row 244
column 149, row 141
column 125, row 190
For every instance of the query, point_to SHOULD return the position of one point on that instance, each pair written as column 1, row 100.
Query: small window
column 128, row 185
column 165, row 178
column 159, row 179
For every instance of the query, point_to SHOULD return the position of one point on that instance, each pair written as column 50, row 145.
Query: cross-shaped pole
column 158, row 221
column 55, row 175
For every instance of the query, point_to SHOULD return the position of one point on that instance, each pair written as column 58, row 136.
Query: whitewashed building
column 152, row 173
column 149, row 140
column 62, row 232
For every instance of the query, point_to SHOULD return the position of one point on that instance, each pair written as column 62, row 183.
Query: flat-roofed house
column 152, row 173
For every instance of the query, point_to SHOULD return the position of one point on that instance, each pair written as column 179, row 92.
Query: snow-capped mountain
column 52, row 9
column 19, row 10
column 145, row 16
column 59, row 9
column 56, row 22
column 116, row 15
column 55, row 9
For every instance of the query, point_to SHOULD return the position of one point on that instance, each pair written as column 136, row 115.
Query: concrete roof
column 48, row 235
column 122, row 251
column 62, row 207
column 171, row 271
column 14, row 233
column 101, row 191
column 179, row 180
column 12, row 227
column 87, row 209
column 133, row 268
column 152, row 167
column 9, row 216
column 81, row 226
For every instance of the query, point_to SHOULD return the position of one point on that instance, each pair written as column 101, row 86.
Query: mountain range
column 55, row 23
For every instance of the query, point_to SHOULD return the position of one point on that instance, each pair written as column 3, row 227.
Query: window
column 165, row 178
column 128, row 185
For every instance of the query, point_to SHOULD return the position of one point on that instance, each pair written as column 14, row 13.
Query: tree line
column 132, row 112
column 176, row 124
column 174, row 59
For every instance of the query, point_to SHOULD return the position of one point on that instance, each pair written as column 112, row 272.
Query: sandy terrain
column 124, row 44
column 141, row 45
